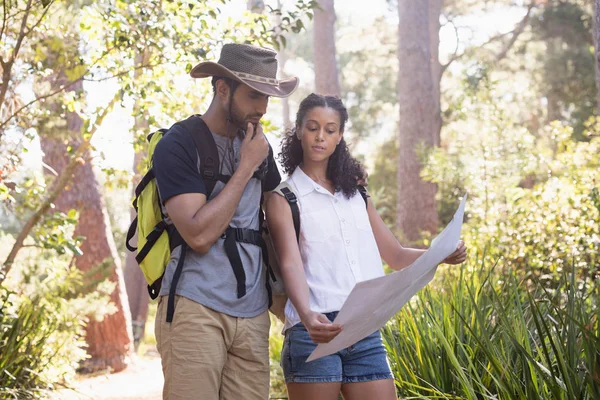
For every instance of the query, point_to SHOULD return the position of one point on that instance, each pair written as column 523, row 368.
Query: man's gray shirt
column 208, row 278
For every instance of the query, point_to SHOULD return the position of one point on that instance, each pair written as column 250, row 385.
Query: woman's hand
column 320, row 329
column 459, row 256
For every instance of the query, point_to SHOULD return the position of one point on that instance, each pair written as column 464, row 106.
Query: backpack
column 157, row 236
column 279, row 296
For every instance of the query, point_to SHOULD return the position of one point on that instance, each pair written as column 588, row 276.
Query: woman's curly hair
column 342, row 169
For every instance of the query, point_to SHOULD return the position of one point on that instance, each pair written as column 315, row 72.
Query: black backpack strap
column 263, row 246
column 131, row 234
column 365, row 195
column 242, row 235
column 176, row 275
column 293, row 202
column 207, row 150
column 151, row 240
column 138, row 190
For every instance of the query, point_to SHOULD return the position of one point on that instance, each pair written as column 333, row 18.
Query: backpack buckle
column 290, row 197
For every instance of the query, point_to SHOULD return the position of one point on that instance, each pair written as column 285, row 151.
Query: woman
column 341, row 242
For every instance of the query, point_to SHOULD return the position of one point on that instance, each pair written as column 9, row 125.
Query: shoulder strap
column 284, row 189
column 365, row 195
column 207, row 150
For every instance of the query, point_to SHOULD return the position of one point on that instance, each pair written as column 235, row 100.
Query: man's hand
column 320, row 329
column 459, row 256
column 255, row 148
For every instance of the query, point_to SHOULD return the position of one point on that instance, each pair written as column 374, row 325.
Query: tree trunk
column 109, row 340
column 435, row 8
column 553, row 108
column 282, row 58
column 597, row 51
column 324, row 54
column 416, row 198
column 136, row 284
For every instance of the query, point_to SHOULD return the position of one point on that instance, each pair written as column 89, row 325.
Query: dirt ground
column 142, row 380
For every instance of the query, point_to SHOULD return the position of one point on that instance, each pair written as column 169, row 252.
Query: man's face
column 248, row 105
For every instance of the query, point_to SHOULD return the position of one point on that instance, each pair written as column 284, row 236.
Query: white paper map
column 371, row 304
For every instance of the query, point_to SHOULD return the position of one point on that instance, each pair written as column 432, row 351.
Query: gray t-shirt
column 208, row 278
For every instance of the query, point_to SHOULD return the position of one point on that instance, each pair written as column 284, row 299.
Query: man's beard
column 236, row 119
column 239, row 121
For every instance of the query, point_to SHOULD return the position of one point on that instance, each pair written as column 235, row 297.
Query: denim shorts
column 361, row 362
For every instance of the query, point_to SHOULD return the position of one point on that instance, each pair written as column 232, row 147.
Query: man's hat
column 251, row 65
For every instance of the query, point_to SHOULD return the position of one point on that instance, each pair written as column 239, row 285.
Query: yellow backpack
column 153, row 238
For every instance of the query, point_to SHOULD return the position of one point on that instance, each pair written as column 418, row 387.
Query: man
column 212, row 324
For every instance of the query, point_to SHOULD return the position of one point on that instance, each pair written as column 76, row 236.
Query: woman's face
column 320, row 133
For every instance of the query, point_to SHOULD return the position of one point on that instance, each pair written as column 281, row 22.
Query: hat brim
column 283, row 88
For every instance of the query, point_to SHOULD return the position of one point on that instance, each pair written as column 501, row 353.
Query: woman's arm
column 393, row 253
column 281, row 227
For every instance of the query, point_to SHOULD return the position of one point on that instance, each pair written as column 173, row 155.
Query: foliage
column 383, row 185
column 278, row 389
column 41, row 326
column 480, row 336
column 568, row 74
column 530, row 196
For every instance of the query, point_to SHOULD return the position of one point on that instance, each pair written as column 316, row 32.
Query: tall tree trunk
column 416, row 199
column 135, row 282
column 435, row 8
column 553, row 107
column 597, row 50
column 282, row 60
column 285, row 102
column 109, row 341
column 324, row 54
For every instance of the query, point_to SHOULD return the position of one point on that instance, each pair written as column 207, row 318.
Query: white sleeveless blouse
column 337, row 245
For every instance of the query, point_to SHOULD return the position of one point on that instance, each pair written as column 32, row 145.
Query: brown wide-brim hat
column 251, row 65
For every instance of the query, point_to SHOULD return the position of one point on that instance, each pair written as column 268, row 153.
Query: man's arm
column 199, row 222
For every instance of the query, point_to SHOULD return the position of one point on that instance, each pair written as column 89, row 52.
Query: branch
column 464, row 53
column 8, row 64
column 21, row 33
column 64, row 178
column 4, row 19
column 63, row 88
column 519, row 28
column 39, row 21
column 124, row 72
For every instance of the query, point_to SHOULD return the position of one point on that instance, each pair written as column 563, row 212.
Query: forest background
column 497, row 98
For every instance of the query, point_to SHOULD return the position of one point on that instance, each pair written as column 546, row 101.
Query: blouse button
column 347, row 242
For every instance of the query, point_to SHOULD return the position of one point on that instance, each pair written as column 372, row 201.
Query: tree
column 435, row 9
column 135, row 282
column 109, row 341
column 597, row 51
column 324, row 53
column 416, row 198
column 567, row 79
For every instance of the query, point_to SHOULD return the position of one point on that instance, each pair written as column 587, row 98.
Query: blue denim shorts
column 361, row 362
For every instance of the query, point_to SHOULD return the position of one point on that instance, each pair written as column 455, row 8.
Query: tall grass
column 485, row 336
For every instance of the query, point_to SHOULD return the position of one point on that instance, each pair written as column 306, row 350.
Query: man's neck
column 217, row 122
